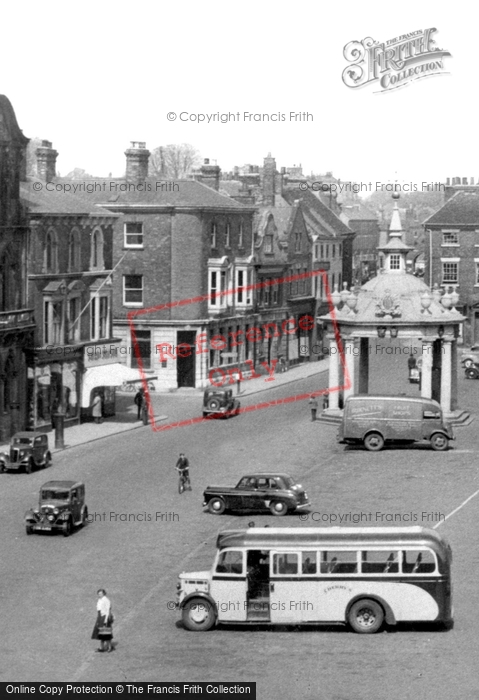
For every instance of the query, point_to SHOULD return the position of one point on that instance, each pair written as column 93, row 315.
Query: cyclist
column 182, row 466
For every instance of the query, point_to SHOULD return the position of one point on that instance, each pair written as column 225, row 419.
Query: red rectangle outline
column 131, row 315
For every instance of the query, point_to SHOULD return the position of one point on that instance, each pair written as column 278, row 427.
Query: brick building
column 452, row 250
column 16, row 317
column 69, row 272
column 174, row 242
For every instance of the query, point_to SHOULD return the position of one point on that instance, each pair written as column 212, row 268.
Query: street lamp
column 59, row 416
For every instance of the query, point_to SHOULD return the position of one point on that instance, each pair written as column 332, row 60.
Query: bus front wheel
column 366, row 616
column 198, row 615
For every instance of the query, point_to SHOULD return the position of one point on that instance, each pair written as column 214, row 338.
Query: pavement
column 126, row 420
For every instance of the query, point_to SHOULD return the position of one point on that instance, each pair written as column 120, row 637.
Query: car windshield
column 22, row 441
column 51, row 495
column 289, row 481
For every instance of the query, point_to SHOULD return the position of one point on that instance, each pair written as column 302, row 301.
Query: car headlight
column 55, row 511
column 51, row 518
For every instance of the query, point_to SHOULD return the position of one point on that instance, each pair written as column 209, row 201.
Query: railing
column 16, row 319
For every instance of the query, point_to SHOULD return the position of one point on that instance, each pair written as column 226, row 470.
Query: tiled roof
column 159, row 193
column 317, row 214
column 358, row 212
column 461, row 210
column 39, row 200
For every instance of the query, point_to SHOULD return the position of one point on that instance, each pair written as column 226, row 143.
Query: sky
column 92, row 77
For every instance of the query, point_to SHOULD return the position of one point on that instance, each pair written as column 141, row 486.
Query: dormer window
column 268, row 244
column 297, row 242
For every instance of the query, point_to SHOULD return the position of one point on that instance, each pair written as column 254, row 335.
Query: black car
column 28, row 451
column 61, row 507
column 272, row 491
column 219, row 402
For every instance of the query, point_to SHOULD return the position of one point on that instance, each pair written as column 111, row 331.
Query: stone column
column 426, row 370
column 446, row 376
column 349, row 348
column 454, row 375
column 333, row 374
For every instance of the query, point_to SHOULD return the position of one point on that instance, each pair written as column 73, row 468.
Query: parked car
column 61, row 507
column 271, row 491
column 375, row 420
column 28, row 450
column 470, row 357
column 220, row 402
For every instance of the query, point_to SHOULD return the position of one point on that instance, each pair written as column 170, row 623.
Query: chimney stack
column 137, row 161
column 46, row 161
column 210, row 175
column 448, row 181
column 269, row 173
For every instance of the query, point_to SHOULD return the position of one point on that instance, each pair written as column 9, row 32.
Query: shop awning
column 115, row 374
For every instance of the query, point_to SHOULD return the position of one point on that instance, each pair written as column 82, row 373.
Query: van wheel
column 278, row 508
column 374, row 442
column 198, row 615
column 472, row 373
column 29, row 466
column 217, row 506
column 366, row 616
column 213, row 405
column 439, row 442
column 48, row 461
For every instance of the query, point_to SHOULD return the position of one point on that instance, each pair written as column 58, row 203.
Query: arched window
column 96, row 261
column 51, row 252
column 74, row 251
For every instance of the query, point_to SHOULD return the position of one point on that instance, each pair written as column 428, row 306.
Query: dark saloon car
column 219, row 402
column 28, row 450
column 61, row 507
column 273, row 492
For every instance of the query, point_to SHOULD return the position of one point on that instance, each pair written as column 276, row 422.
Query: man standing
column 313, row 404
column 139, row 399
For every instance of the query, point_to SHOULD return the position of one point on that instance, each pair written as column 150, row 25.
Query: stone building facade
column 16, row 317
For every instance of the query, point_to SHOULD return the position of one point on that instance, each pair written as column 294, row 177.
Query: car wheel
column 2, row 467
column 48, row 461
column 366, row 616
column 205, row 414
column 29, row 466
column 213, row 404
column 472, row 373
column 29, row 529
column 84, row 519
column 198, row 615
column 468, row 363
column 217, row 506
column 374, row 442
column 278, row 508
column 67, row 528
column 439, row 442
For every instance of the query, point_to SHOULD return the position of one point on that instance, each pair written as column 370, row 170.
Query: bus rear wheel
column 366, row 616
column 198, row 615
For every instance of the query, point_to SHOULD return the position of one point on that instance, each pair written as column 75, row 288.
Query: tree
column 79, row 174
column 174, row 161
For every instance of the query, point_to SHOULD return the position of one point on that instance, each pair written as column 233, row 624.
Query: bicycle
column 184, row 482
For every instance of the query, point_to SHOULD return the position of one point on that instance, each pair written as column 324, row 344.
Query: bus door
column 293, row 587
column 229, row 586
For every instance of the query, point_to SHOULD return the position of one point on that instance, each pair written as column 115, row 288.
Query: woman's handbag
column 105, row 630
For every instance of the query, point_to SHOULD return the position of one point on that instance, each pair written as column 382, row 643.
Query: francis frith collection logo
column 393, row 63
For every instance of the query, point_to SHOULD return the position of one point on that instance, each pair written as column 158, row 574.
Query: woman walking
column 97, row 408
column 103, row 629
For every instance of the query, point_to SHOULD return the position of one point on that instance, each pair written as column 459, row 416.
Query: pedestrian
column 103, row 629
column 96, row 410
column 139, row 399
column 325, row 401
column 183, row 467
column 313, row 404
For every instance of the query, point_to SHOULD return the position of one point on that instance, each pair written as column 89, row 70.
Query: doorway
column 186, row 358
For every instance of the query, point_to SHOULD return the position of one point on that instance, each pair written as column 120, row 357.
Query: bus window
column 308, row 563
column 230, row 562
column 380, row 562
column 339, row 563
column 285, row 563
column 418, row 562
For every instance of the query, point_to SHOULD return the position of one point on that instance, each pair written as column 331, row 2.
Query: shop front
column 54, row 385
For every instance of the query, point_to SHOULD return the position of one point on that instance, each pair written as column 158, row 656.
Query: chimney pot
column 464, row 180
column 206, row 161
column 137, row 161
